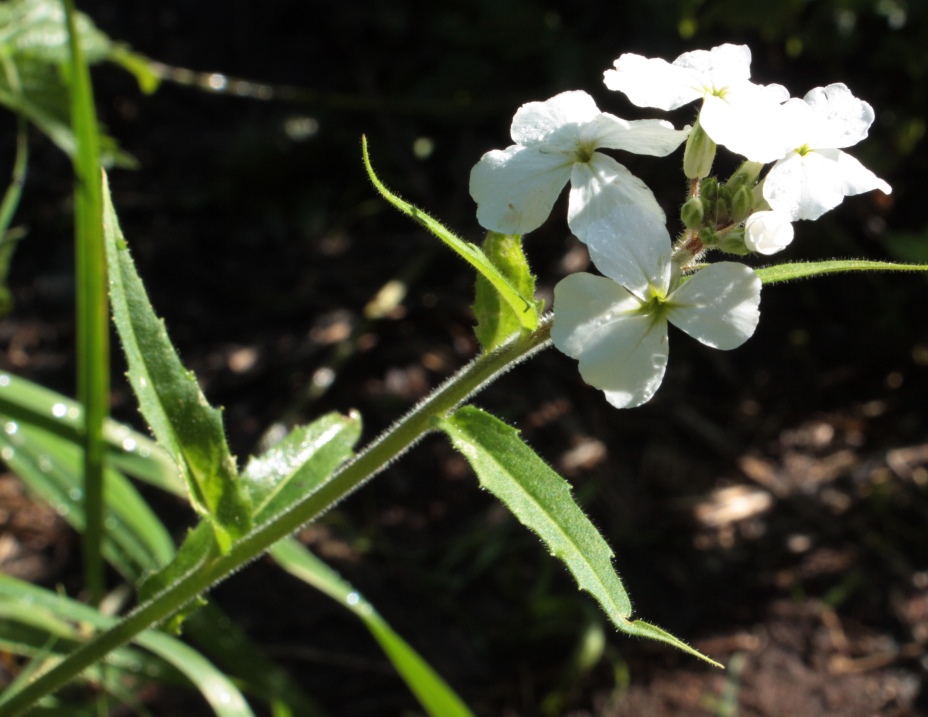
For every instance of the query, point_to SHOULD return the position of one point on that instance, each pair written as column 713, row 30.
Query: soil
column 769, row 505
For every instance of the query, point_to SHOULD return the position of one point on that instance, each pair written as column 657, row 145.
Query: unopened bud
column 708, row 236
column 733, row 243
column 746, row 175
column 699, row 153
column 742, row 204
column 691, row 213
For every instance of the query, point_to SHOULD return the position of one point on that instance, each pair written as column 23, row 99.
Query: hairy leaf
column 801, row 270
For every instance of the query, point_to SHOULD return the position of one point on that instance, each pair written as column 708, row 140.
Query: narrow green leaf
column 522, row 306
column 496, row 320
column 430, row 689
column 300, row 463
column 170, row 399
column 223, row 696
column 801, row 270
column 542, row 501
column 51, row 466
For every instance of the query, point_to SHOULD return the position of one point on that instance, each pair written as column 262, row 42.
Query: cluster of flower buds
column 616, row 326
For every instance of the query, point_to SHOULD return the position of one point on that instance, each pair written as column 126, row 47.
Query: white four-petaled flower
column 557, row 142
column 620, row 336
column 735, row 112
column 816, row 175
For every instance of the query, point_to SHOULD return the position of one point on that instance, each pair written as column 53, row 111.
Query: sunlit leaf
column 170, row 399
column 542, row 501
column 802, row 270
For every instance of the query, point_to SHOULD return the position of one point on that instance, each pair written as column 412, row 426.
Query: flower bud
column 768, row 232
column 742, row 202
column 691, row 213
column 746, row 175
column 733, row 243
column 699, row 153
column 708, row 236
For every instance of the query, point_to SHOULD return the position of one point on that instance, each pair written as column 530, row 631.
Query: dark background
column 768, row 505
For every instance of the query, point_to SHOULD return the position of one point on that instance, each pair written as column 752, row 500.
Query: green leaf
column 523, row 306
column 430, row 689
column 300, row 463
column 542, row 501
column 37, row 29
column 496, row 319
column 223, row 696
column 802, row 270
column 51, row 466
column 170, row 399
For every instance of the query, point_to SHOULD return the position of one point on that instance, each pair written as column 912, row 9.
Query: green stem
column 92, row 310
column 372, row 460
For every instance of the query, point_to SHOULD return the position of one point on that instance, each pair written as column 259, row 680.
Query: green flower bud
column 708, row 236
column 691, row 213
column 733, row 243
column 746, row 175
column 699, row 153
column 742, row 203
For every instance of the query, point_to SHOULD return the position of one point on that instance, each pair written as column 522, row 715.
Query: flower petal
column 556, row 122
column 653, row 82
column 720, row 67
column 718, row 305
column 617, row 217
column 807, row 186
column 515, row 188
column 623, row 354
column 653, row 137
column 768, row 232
column 842, row 120
column 749, row 120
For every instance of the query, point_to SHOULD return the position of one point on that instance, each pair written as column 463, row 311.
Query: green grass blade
column 170, row 399
column 223, row 696
column 524, row 307
column 93, row 353
column 542, row 501
column 779, row 273
column 435, row 695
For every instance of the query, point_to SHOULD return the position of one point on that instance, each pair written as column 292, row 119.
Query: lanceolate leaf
column 496, row 319
column 300, row 463
column 542, row 501
column 170, row 399
column 802, row 270
column 522, row 305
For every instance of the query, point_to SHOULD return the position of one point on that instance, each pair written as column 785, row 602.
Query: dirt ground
column 769, row 505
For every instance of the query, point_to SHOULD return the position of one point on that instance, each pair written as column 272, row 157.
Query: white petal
column 515, row 188
column 842, row 119
column 768, row 232
column 556, row 122
column 720, row 67
column 653, row 82
column 617, row 217
column 622, row 354
column 752, row 121
column 583, row 304
column 718, row 305
column 807, row 186
column 653, row 137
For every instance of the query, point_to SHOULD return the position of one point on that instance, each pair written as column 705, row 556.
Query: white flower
column 735, row 112
column 556, row 142
column 816, row 175
column 768, row 232
column 620, row 336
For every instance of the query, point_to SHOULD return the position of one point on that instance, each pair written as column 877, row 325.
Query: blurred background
column 768, row 505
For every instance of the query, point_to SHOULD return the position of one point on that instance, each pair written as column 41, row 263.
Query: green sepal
column 523, row 306
column 779, row 273
column 542, row 501
column 699, row 153
column 170, row 398
column 496, row 320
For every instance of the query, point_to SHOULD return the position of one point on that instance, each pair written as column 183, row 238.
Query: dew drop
column 4, row 380
column 7, row 453
column 62, row 510
column 353, row 598
column 59, row 410
column 225, row 698
column 75, row 494
column 129, row 445
column 10, row 428
column 143, row 382
column 45, row 465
